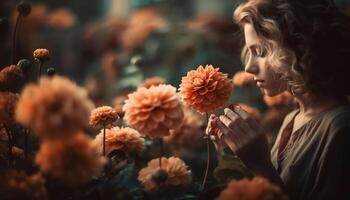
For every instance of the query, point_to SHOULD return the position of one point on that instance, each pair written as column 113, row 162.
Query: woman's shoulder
column 338, row 118
column 334, row 125
column 332, row 120
column 334, row 130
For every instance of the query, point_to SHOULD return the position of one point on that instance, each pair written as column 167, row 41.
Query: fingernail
column 235, row 107
column 232, row 106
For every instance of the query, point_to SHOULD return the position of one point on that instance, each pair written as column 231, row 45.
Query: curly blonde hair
column 305, row 42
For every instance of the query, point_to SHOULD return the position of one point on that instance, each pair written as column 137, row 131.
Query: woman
column 302, row 46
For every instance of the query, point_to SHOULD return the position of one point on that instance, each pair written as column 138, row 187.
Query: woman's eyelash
column 259, row 51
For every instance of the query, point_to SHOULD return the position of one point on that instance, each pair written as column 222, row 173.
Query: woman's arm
column 332, row 174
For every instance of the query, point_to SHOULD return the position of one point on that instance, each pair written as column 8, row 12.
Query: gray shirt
column 314, row 164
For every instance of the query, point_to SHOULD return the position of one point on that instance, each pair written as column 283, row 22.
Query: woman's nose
column 252, row 67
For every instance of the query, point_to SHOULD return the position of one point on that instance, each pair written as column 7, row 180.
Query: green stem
column 160, row 152
column 40, row 66
column 104, row 141
column 208, row 156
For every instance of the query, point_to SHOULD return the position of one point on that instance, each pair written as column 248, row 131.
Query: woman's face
column 266, row 78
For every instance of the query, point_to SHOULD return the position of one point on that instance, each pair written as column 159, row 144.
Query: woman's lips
column 260, row 83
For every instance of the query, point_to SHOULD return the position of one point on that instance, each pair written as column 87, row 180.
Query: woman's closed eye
column 258, row 51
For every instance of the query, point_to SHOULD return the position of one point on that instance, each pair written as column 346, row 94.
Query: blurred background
column 111, row 46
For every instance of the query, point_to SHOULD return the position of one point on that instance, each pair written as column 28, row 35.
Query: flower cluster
column 177, row 173
column 154, row 111
column 205, row 89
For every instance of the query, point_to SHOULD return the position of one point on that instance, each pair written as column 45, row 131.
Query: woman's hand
column 215, row 134
column 242, row 135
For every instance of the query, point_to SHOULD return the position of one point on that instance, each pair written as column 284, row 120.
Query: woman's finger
column 229, row 137
column 230, row 114
column 209, row 130
column 250, row 127
column 231, row 125
column 222, row 124
column 234, row 125
column 239, row 111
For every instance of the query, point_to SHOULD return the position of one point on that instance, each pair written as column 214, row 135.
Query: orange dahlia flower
column 280, row 100
column 176, row 169
column 103, row 116
column 256, row 189
column 54, row 108
column 153, row 81
column 126, row 139
column 205, row 89
column 74, row 161
column 243, row 78
column 154, row 111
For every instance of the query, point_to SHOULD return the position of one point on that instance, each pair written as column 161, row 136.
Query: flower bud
column 24, row 65
column 137, row 60
column 51, row 71
column 24, row 8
